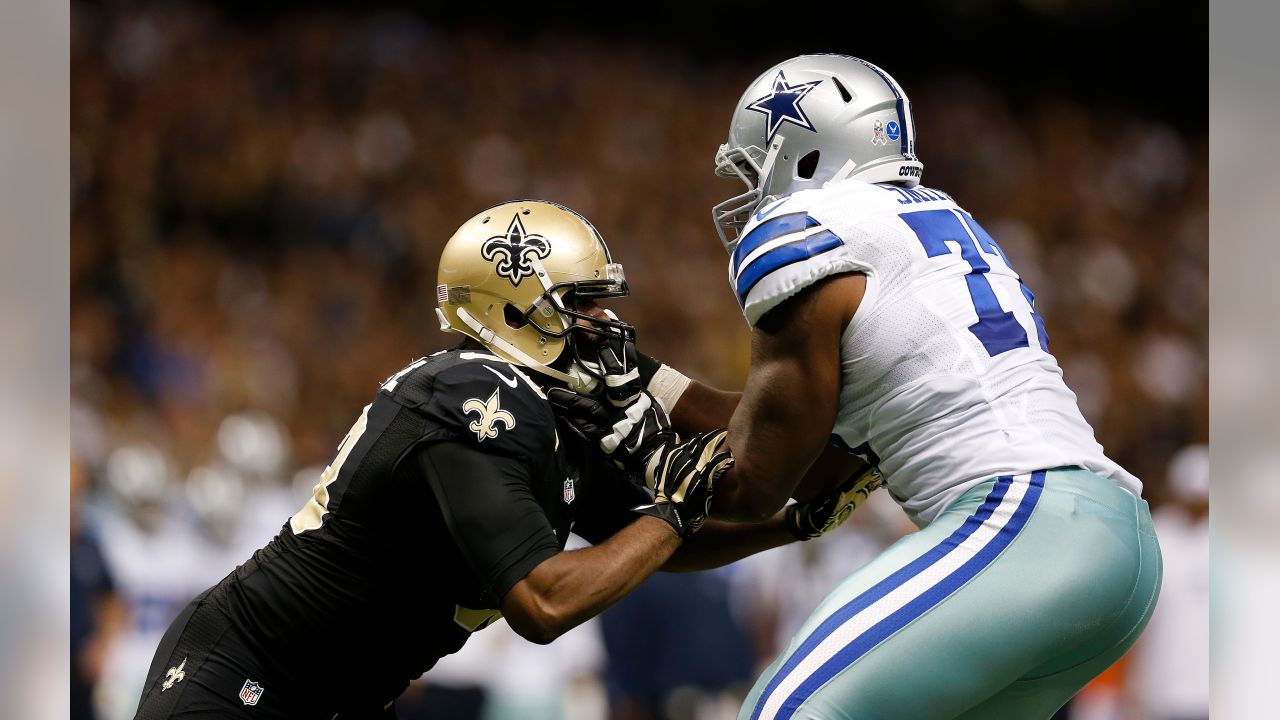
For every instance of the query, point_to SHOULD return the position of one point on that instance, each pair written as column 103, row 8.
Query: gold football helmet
column 511, row 278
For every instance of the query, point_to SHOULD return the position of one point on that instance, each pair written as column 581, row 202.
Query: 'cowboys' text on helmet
column 809, row 121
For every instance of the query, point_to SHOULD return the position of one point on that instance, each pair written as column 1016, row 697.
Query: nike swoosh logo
column 644, row 507
column 639, row 437
column 510, row 381
column 762, row 214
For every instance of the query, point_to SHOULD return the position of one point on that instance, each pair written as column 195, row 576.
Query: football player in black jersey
column 449, row 502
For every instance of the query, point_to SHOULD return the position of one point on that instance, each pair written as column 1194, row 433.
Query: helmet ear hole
column 513, row 316
column 808, row 165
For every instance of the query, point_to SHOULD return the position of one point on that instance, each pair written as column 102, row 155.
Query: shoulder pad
column 481, row 399
column 783, row 250
column 491, row 403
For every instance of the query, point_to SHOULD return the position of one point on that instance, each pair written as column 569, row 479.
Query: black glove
column 624, row 370
column 824, row 513
column 619, row 366
column 629, row 435
column 682, row 477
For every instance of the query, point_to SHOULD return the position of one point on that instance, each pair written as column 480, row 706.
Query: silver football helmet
column 810, row 121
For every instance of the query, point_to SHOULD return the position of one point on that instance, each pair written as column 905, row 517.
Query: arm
column 568, row 588
column 789, row 405
column 488, row 504
column 571, row 587
column 777, row 427
column 693, row 407
column 703, row 408
column 719, row 543
column 604, row 510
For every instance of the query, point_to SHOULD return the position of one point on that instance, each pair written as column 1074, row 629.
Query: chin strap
column 845, row 171
column 766, row 168
column 577, row 379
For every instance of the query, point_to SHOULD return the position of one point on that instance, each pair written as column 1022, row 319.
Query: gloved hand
column 608, row 363
column 682, row 477
column 825, row 512
column 619, row 365
column 625, row 419
column 629, row 435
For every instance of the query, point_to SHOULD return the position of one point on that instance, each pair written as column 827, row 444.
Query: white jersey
column 156, row 574
column 947, row 379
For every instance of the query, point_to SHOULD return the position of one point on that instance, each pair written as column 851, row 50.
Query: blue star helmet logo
column 783, row 105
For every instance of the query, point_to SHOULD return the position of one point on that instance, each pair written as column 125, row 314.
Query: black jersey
column 453, row 485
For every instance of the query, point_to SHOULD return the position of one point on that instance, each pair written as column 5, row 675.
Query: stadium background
column 259, row 198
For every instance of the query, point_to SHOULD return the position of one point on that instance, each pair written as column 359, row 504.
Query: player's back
column 365, row 586
column 947, row 379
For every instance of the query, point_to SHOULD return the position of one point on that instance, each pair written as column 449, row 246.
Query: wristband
column 667, row 386
column 663, row 382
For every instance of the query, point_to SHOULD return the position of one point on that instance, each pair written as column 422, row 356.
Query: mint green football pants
column 1003, row 608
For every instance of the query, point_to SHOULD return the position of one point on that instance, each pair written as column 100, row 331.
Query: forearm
column 752, row 490
column 719, row 543
column 576, row 585
column 703, row 408
column 693, row 407
column 775, row 435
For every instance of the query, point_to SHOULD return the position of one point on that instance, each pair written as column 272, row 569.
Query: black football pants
column 204, row 669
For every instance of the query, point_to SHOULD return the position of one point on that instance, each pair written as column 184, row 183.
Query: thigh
column 183, row 647
column 1044, row 689
column 158, row 673
column 868, row 649
column 1039, row 698
column 203, row 669
column 949, row 616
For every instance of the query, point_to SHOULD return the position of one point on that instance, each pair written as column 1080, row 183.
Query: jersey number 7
column 997, row 329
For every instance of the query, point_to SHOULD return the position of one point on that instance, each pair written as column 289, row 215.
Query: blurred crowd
column 257, row 212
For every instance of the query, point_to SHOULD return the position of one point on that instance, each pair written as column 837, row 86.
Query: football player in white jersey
column 886, row 321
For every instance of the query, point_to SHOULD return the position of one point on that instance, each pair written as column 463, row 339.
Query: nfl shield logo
column 251, row 693
column 568, row 490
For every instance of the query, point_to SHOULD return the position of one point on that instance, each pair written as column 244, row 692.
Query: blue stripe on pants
column 922, row 603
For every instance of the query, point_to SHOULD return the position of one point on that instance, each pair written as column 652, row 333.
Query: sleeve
column 488, row 504
column 648, row 367
column 781, row 254
column 606, row 507
column 494, row 408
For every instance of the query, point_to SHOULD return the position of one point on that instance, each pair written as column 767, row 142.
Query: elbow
column 757, row 510
column 537, row 636
column 740, row 503
column 536, row 621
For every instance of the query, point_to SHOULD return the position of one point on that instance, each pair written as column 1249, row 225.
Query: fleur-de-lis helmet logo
column 513, row 249
column 489, row 414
